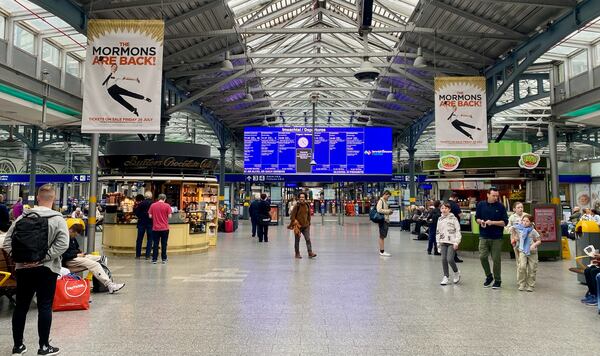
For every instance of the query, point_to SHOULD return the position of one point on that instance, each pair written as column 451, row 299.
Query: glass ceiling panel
column 11, row 6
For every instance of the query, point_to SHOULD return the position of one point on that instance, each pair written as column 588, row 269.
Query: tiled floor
column 246, row 298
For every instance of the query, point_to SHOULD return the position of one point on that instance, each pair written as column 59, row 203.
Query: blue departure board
column 337, row 150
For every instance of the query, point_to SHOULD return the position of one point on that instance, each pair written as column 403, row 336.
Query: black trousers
column 40, row 281
column 117, row 93
column 263, row 233
column 590, row 279
column 254, row 226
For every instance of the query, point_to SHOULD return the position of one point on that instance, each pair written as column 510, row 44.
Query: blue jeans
column 147, row 229
column 161, row 236
column 432, row 244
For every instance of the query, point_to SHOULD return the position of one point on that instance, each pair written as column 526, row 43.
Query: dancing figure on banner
column 460, row 125
column 116, row 92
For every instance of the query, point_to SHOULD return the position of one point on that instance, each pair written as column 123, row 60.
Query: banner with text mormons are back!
column 460, row 114
column 123, row 76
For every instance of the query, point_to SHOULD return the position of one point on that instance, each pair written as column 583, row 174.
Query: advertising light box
column 337, row 150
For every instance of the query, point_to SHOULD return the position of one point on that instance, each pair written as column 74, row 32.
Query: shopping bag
column 72, row 293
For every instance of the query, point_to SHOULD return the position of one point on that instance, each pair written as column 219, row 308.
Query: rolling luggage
column 228, row 225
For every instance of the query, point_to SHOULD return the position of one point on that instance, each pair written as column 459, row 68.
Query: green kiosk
column 519, row 175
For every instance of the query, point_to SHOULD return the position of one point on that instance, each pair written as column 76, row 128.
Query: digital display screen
column 337, row 150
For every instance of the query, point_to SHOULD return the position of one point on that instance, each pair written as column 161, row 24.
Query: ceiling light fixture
column 391, row 96
column 370, row 122
column 248, row 96
column 265, row 121
column 367, row 72
column 226, row 65
column 539, row 132
column 420, row 61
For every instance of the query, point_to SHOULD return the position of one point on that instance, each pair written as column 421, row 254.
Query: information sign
column 337, row 150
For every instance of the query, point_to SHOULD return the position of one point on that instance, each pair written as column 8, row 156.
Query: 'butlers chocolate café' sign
column 149, row 164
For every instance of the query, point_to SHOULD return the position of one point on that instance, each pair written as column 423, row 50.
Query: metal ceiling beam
column 273, row 15
column 195, row 47
column 543, row 3
column 187, row 14
column 320, row 30
column 199, row 94
column 513, row 66
column 474, row 18
column 72, row 14
column 111, row 6
column 510, row 68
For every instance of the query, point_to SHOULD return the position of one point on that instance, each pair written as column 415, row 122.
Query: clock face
column 303, row 142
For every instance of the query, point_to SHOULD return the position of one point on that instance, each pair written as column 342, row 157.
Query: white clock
column 303, row 142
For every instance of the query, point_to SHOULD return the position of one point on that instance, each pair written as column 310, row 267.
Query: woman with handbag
column 384, row 209
column 300, row 223
column 263, row 212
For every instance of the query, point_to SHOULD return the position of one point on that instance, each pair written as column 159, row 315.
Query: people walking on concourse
column 300, row 222
column 253, row 212
column 455, row 209
column 491, row 217
column 160, row 213
column 384, row 209
column 527, row 245
column 144, row 224
column 37, row 268
column 513, row 220
column 448, row 238
column 433, row 221
column 263, row 215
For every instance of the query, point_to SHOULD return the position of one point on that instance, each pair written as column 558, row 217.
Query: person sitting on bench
column 591, row 297
column 73, row 258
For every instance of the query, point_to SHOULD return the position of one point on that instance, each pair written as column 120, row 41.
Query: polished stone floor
column 246, row 298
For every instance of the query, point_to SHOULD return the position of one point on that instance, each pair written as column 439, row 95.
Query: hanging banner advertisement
column 123, row 76
column 460, row 114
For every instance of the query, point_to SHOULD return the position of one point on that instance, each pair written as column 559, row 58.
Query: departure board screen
column 337, row 150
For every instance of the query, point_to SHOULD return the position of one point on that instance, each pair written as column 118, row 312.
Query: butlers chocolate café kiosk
column 183, row 172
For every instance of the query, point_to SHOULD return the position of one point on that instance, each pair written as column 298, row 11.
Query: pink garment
column 160, row 212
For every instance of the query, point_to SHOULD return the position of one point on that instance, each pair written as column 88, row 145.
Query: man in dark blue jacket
column 253, row 211
column 492, row 218
column 144, row 224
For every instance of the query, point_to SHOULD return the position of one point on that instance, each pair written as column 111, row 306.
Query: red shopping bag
column 72, row 293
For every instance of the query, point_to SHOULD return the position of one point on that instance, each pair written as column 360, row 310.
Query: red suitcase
column 228, row 225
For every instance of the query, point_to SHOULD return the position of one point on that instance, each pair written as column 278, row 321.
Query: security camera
column 366, row 72
column 314, row 97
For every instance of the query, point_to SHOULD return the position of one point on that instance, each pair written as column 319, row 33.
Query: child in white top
column 448, row 238
column 513, row 220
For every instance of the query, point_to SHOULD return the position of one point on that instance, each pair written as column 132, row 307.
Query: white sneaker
column 456, row 278
column 384, row 254
column 115, row 287
column 444, row 281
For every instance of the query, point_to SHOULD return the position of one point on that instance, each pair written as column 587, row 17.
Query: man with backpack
column 36, row 242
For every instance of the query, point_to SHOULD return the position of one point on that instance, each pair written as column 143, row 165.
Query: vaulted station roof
column 282, row 51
